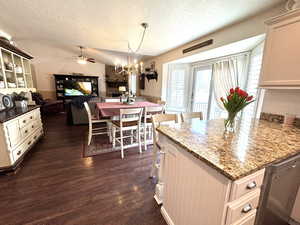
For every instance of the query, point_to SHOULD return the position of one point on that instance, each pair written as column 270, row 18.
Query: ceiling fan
column 81, row 59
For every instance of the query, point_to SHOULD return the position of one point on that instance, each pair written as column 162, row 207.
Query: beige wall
column 242, row 30
column 49, row 60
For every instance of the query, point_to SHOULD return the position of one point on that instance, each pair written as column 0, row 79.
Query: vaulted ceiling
column 106, row 26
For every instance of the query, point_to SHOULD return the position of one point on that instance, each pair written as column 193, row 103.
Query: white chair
column 147, row 122
column 163, row 104
column 158, row 161
column 157, row 149
column 92, row 120
column 187, row 116
column 130, row 120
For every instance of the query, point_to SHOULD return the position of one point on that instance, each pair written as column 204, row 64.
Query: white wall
column 282, row 101
column 239, row 31
column 49, row 60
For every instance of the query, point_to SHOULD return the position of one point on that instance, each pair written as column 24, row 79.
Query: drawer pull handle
column 32, row 126
column 251, row 185
column 19, row 153
column 31, row 117
column 29, row 143
column 24, row 121
column 26, row 131
column 247, row 208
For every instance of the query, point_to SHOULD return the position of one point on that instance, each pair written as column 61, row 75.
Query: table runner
column 109, row 109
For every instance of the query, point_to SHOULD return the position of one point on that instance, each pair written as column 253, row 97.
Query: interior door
column 201, row 90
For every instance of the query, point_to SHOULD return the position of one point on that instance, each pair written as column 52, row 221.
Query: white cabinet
column 17, row 136
column 196, row 194
column 282, row 52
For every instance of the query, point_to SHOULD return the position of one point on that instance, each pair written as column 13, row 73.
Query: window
column 194, row 92
column 201, row 89
column 177, row 88
column 253, row 80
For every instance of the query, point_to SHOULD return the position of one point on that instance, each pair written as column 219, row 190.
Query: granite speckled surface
column 254, row 145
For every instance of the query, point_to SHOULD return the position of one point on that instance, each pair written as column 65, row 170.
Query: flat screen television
column 77, row 88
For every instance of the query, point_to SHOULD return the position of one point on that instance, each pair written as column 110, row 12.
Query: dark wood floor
column 57, row 186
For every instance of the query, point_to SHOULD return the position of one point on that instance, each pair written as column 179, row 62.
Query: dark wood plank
column 55, row 185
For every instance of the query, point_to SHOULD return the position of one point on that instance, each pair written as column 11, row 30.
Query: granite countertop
column 15, row 112
column 254, row 145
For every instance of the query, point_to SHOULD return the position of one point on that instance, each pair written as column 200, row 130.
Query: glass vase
column 229, row 123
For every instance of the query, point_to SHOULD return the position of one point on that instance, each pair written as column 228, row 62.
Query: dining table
column 111, row 109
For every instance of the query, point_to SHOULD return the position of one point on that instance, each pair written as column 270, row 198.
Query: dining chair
column 157, row 148
column 163, row 104
column 130, row 120
column 93, row 120
column 147, row 122
column 187, row 116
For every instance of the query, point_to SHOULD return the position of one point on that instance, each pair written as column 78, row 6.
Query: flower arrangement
column 236, row 100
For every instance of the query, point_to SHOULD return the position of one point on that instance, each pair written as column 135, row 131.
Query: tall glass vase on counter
column 236, row 100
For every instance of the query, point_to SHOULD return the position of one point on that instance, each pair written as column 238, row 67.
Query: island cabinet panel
column 281, row 55
column 195, row 193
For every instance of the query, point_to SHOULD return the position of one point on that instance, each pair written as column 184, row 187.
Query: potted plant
column 20, row 100
column 236, row 100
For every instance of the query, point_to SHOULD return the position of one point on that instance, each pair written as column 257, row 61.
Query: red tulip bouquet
column 236, row 100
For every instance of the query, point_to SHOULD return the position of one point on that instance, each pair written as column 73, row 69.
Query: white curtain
column 229, row 73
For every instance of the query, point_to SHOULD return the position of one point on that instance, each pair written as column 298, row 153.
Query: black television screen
column 77, row 88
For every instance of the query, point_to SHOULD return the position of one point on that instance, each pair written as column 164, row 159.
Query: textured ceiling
column 107, row 25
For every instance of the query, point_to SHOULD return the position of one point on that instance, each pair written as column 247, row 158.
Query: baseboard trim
column 166, row 216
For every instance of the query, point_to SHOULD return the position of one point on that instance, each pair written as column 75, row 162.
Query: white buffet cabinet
column 17, row 136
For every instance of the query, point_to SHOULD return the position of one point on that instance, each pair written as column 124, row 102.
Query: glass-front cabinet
column 19, row 71
column 27, row 73
column 9, row 69
column 2, row 77
column 15, row 70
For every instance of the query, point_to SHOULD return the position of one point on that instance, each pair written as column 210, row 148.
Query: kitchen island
column 212, row 178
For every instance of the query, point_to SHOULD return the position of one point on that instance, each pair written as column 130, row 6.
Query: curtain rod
column 212, row 60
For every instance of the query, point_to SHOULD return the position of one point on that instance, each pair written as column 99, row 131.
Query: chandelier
column 132, row 65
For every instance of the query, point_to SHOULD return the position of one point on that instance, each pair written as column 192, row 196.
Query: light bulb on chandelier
column 132, row 66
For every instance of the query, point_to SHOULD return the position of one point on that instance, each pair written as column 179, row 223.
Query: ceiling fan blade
column 92, row 60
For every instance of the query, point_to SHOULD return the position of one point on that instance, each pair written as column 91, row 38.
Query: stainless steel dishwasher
column 279, row 191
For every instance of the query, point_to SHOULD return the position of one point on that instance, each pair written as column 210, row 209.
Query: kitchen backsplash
column 276, row 118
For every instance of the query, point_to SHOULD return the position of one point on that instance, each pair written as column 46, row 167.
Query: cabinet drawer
column 26, row 119
column 249, row 220
column 30, row 128
column 28, row 142
column 246, row 185
column 19, row 151
column 242, row 207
